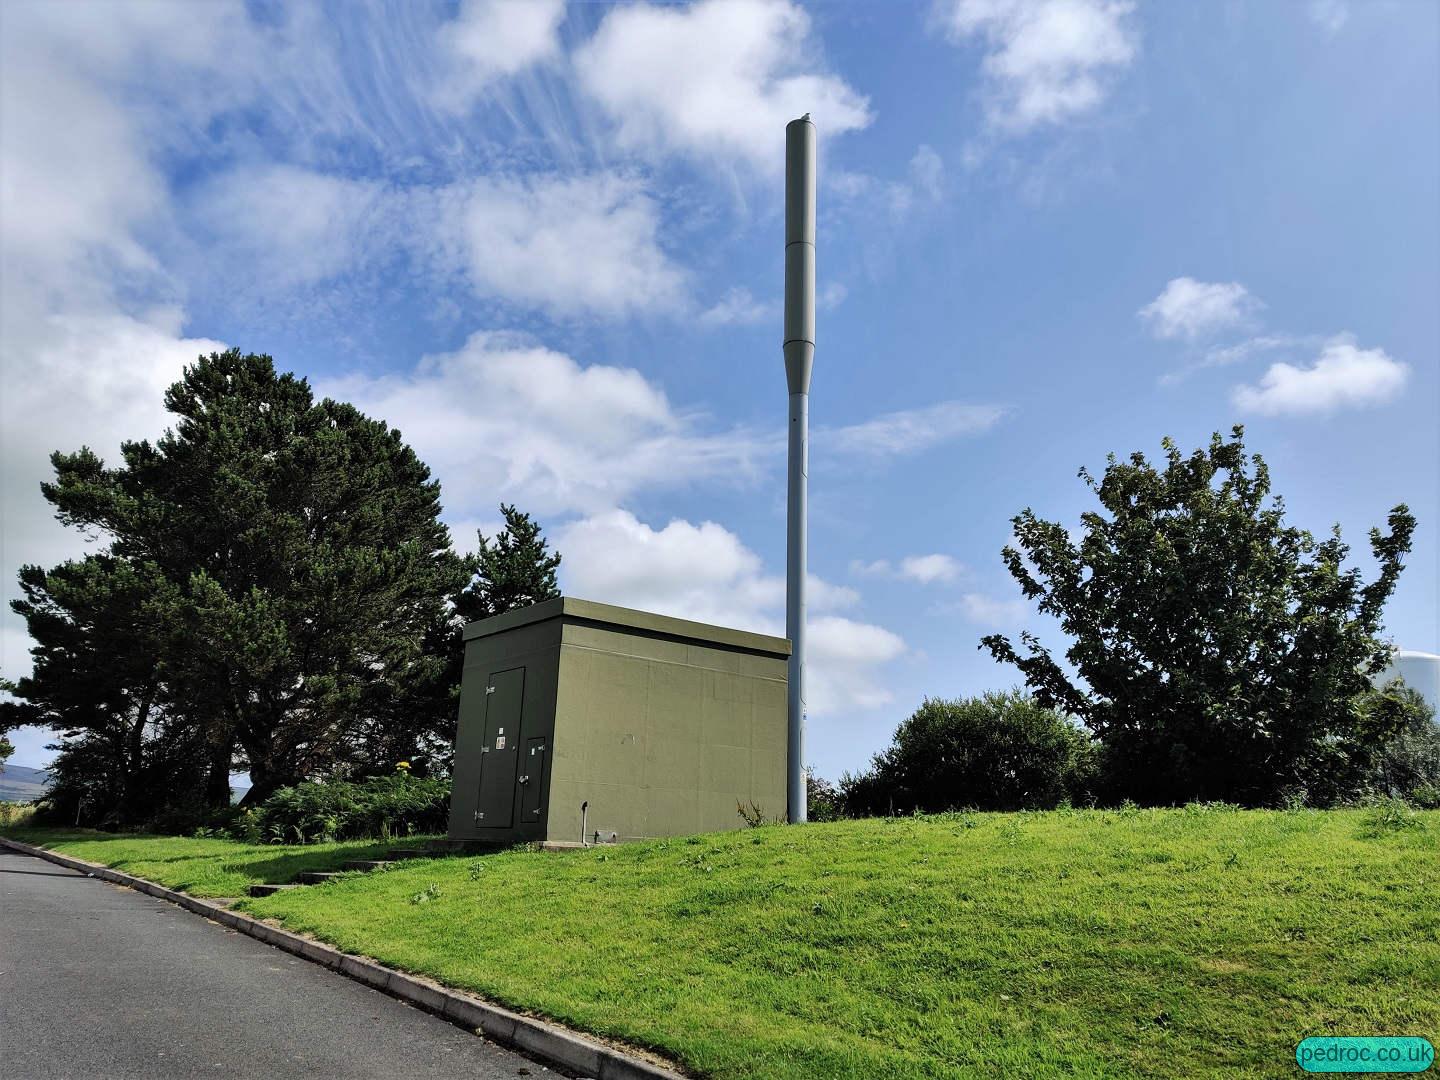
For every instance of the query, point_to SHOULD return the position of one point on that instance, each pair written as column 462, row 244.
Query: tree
column 99, row 626
column 514, row 570
column 304, row 540
column 1218, row 652
column 999, row 751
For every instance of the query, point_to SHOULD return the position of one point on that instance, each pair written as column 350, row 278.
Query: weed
column 1387, row 816
column 427, row 894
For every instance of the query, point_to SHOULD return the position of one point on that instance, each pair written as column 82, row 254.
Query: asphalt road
column 101, row 982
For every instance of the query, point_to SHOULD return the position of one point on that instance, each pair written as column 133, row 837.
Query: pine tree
column 304, row 540
column 513, row 570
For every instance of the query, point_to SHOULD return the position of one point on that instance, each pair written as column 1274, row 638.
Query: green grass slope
column 203, row 867
column 1193, row 942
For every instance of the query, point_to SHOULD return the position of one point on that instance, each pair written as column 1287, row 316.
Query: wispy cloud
column 910, row 431
column 1329, row 15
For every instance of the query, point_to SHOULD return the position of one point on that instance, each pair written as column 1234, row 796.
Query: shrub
column 379, row 806
column 1000, row 751
column 15, row 815
column 824, row 800
column 1409, row 765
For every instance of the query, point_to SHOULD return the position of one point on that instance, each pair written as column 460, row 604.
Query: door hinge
column 489, row 689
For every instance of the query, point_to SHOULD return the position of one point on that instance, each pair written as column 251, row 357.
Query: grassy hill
column 1194, row 942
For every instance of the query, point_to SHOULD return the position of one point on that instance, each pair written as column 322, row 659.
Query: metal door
column 532, row 781
column 495, row 809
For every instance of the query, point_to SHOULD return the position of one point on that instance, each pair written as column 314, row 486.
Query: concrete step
column 316, row 877
column 367, row 865
column 269, row 890
column 409, row 853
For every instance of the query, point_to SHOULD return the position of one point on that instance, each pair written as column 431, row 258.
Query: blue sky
column 545, row 242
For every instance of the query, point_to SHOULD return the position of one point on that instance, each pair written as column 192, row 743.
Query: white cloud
column 1047, row 61
column 930, row 569
column 565, row 243
column 1342, row 376
column 503, row 417
column 910, row 430
column 72, row 380
column 935, row 569
column 492, row 39
column 82, row 361
column 1192, row 309
column 718, row 79
column 704, row 572
column 292, row 226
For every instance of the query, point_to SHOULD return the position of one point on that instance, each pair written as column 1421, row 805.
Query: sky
column 545, row 242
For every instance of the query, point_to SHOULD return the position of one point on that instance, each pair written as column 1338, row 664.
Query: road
column 97, row 981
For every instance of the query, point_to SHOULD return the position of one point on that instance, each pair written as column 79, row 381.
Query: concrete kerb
column 549, row 1042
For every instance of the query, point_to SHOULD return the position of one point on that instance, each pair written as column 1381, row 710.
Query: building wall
column 662, row 736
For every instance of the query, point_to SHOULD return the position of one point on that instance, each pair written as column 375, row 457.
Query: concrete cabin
column 659, row 725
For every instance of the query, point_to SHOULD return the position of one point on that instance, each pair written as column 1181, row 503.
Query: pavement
column 98, row 981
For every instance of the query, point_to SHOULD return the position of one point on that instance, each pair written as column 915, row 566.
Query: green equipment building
column 583, row 716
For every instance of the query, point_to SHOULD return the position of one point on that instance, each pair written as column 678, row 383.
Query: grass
column 203, row 867
column 1195, row 942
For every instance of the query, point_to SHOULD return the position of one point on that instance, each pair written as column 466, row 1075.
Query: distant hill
column 19, row 783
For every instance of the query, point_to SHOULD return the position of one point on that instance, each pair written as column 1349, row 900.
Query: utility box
column 656, row 726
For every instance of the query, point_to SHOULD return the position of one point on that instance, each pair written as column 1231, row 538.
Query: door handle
column 524, row 779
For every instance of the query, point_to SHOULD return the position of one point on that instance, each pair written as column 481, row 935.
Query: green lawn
column 1194, row 942
column 203, row 867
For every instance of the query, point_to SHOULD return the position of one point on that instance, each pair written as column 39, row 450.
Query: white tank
column 1421, row 672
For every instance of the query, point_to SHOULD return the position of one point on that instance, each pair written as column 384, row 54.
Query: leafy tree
column 305, row 543
column 1218, row 652
column 514, row 570
column 1000, row 751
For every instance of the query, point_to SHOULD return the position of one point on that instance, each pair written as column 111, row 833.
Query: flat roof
column 591, row 613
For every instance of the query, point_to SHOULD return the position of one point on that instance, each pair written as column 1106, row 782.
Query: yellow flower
column 402, row 764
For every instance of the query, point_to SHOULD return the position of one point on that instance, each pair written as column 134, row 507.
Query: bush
column 823, row 798
column 1409, row 765
column 15, row 815
column 1000, row 751
column 377, row 807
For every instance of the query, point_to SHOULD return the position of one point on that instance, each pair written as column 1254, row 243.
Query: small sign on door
column 500, row 742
